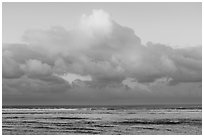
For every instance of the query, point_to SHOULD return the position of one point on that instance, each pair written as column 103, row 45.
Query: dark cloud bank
column 98, row 62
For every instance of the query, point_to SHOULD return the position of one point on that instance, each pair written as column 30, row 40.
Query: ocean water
column 103, row 120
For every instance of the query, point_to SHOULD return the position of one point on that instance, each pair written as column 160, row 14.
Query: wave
column 72, row 118
column 105, row 107
column 161, row 121
column 37, row 109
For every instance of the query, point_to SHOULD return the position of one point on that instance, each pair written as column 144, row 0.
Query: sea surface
column 103, row 120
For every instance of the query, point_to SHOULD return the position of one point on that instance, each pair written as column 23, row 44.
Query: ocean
column 102, row 120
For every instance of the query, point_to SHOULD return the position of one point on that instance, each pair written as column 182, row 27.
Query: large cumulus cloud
column 110, row 55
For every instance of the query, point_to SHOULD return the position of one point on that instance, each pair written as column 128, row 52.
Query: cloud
column 100, row 54
column 98, row 23
column 10, row 68
column 35, row 68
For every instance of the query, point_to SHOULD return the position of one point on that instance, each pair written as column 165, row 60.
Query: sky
column 101, row 53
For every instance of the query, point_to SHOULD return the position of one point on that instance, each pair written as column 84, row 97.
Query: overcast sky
column 102, row 53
